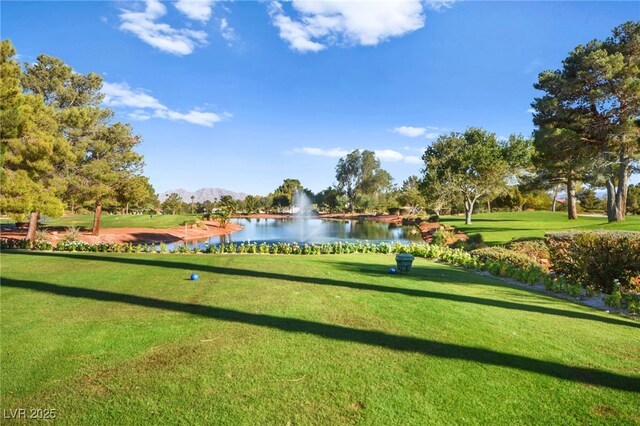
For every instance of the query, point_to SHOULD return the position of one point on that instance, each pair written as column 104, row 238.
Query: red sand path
column 138, row 235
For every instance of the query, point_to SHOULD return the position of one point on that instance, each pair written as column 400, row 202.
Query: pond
column 307, row 230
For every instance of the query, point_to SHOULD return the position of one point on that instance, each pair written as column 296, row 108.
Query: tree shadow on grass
column 143, row 260
column 347, row 334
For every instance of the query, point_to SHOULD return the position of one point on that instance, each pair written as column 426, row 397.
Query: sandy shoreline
column 137, row 235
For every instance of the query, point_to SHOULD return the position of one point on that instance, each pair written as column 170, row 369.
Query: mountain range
column 201, row 195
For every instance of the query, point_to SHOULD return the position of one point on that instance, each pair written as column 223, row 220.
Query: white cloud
column 139, row 115
column 227, row 32
column 119, row 94
column 146, row 106
column 383, row 154
column 198, row 10
column 207, row 119
column 159, row 35
column 389, row 155
column 439, row 5
column 412, row 160
column 531, row 111
column 322, row 23
column 332, row 153
column 409, row 131
column 429, row 132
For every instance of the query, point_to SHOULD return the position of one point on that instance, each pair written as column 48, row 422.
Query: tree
column 32, row 149
column 135, row 191
column 437, row 194
column 410, row 195
column 283, row 195
column 250, row 204
column 109, row 159
column 359, row 174
column 173, row 203
column 104, row 154
column 228, row 203
column 588, row 200
column 329, row 199
column 633, row 199
column 472, row 164
column 59, row 86
column 561, row 156
column 280, row 202
column 596, row 96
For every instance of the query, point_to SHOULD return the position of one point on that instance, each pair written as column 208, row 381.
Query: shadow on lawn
column 145, row 261
column 347, row 334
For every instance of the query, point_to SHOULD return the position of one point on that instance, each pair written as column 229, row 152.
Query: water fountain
column 301, row 211
column 301, row 204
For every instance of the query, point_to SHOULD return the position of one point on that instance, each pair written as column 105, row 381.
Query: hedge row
column 457, row 257
column 600, row 260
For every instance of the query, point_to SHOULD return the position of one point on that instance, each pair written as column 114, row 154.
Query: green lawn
column 499, row 228
column 259, row 339
column 123, row 221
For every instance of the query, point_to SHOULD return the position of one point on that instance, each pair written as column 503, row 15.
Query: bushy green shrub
column 516, row 259
column 42, row 245
column 10, row 243
column 473, row 242
column 597, row 258
column 614, row 299
column 442, row 236
column 76, row 246
column 534, row 248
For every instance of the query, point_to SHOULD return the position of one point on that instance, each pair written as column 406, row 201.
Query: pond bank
column 137, row 235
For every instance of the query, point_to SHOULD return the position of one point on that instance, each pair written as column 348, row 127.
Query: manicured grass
column 499, row 228
column 259, row 339
column 123, row 221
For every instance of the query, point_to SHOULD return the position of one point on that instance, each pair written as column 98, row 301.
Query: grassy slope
column 307, row 340
column 123, row 221
column 499, row 228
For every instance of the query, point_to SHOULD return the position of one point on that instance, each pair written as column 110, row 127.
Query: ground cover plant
column 500, row 228
column 303, row 339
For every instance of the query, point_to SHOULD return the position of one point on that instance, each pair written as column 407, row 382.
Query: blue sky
column 241, row 95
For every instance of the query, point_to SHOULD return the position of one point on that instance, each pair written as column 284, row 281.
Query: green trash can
column 404, row 262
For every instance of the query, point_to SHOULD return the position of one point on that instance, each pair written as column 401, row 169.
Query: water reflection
column 316, row 231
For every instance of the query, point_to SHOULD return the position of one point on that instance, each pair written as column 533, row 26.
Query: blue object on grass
column 194, row 277
column 392, row 270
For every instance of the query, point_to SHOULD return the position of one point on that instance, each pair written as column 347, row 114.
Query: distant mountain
column 202, row 194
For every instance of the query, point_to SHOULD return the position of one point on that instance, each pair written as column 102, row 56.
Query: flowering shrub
column 42, row 245
column 75, row 246
column 597, row 258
